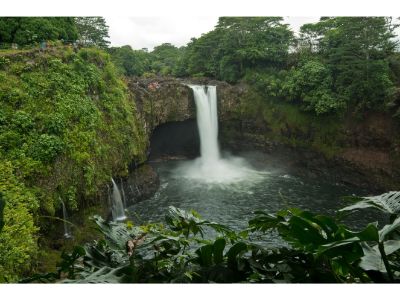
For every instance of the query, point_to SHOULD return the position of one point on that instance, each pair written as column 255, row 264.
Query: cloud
column 147, row 32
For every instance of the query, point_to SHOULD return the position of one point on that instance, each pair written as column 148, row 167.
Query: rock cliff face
column 162, row 100
column 364, row 153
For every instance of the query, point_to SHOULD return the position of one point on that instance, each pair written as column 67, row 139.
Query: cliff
column 363, row 151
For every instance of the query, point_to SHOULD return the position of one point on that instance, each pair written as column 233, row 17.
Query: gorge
column 221, row 161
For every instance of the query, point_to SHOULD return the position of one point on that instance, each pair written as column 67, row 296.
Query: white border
column 199, row 7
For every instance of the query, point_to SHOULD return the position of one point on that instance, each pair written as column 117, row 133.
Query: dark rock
column 141, row 184
column 366, row 153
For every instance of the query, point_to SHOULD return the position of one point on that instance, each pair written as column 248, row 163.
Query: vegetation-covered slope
column 67, row 124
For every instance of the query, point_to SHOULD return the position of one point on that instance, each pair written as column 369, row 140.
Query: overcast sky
column 147, row 32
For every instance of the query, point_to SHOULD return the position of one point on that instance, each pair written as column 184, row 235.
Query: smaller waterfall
column 67, row 226
column 117, row 208
column 123, row 193
column 109, row 196
column 138, row 191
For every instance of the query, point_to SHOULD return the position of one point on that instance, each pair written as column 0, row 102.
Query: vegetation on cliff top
column 67, row 125
column 28, row 31
column 335, row 66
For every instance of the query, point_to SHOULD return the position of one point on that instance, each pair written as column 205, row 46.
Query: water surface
column 269, row 189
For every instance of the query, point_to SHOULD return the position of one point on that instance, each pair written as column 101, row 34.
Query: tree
column 30, row 30
column 356, row 52
column 130, row 62
column 165, row 59
column 238, row 44
column 312, row 83
column 93, row 31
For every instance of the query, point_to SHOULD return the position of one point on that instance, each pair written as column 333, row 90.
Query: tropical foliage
column 315, row 248
column 337, row 63
column 30, row 30
column 67, row 124
column 92, row 31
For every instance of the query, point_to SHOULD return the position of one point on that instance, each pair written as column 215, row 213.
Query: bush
column 67, row 124
column 17, row 237
column 319, row 249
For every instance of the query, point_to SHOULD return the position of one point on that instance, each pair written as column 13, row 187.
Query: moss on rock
column 67, row 124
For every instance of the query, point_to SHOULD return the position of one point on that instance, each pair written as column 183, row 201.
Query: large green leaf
column 388, row 229
column 116, row 233
column 235, row 251
column 205, row 254
column 390, row 246
column 190, row 222
column 218, row 250
column 372, row 259
column 388, row 202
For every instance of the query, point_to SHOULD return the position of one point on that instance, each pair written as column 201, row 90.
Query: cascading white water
column 117, row 209
column 207, row 122
column 211, row 167
column 123, row 193
column 67, row 229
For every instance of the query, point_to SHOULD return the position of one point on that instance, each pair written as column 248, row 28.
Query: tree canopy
column 92, row 31
column 29, row 30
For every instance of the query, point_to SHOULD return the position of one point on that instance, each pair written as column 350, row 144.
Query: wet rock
column 141, row 184
column 366, row 151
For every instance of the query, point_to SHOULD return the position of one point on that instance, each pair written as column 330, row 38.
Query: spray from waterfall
column 117, row 207
column 67, row 227
column 210, row 167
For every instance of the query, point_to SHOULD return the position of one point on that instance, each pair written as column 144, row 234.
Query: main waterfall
column 210, row 167
column 207, row 122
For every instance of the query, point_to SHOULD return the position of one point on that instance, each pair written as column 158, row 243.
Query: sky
column 147, row 32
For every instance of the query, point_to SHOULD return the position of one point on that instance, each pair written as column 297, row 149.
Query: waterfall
column 210, row 167
column 123, row 193
column 117, row 209
column 67, row 227
column 207, row 121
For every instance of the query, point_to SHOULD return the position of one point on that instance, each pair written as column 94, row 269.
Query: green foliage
column 17, row 237
column 320, row 249
column 388, row 203
column 313, row 84
column 92, row 31
column 30, row 30
column 2, row 205
column 130, row 62
column 337, row 64
column 236, row 45
column 355, row 50
column 166, row 59
column 67, row 124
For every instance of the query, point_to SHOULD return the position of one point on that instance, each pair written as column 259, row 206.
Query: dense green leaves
column 92, row 31
column 321, row 250
column 67, row 125
column 236, row 45
column 2, row 205
column 29, row 30
column 130, row 62
column 164, row 60
column 336, row 64
column 388, row 202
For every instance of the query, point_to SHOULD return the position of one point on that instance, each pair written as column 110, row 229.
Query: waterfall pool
column 232, row 203
column 228, row 189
